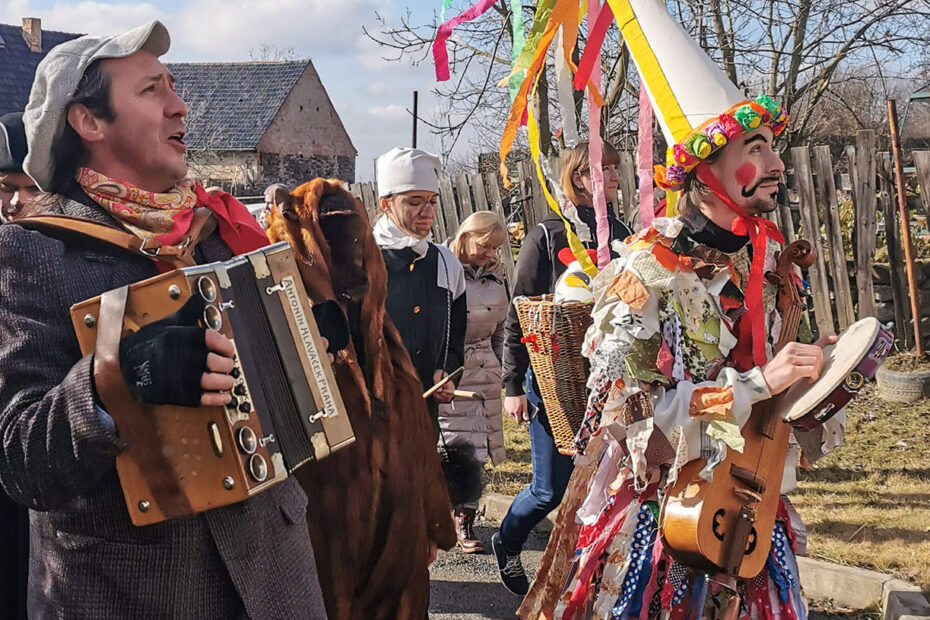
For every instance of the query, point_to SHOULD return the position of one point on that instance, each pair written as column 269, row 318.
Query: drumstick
column 454, row 375
column 466, row 395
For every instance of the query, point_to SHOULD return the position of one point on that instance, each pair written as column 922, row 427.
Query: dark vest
column 419, row 307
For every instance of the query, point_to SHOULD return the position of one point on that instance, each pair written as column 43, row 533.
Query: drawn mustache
column 747, row 192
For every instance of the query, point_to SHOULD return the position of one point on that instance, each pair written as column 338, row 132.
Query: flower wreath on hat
column 716, row 133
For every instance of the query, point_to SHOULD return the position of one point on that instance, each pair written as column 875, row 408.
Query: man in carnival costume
column 105, row 130
column 680, row 351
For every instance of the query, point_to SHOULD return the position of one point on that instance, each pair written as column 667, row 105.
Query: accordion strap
column 133, row 423
column 176, row 256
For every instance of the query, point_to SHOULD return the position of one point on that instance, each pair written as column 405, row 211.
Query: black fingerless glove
column 332, row 323
column 164, row 361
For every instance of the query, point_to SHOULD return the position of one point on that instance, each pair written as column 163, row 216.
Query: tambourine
column 848, row 366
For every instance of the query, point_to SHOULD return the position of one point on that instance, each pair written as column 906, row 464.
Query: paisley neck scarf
column 164, row 216
column 167, row 216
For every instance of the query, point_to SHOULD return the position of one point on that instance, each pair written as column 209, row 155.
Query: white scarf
column 389, row 236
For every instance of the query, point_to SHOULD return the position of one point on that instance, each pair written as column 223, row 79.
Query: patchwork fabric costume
column 683, row 322
column 665, row 391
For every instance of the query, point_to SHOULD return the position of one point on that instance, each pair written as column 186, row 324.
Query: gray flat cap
column 57, row 77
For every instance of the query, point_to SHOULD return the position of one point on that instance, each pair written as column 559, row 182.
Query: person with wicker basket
column 538, row 270
column 473, row 418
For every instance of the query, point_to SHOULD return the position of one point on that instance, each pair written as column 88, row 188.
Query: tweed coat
column 251, row 559
column 479, row 422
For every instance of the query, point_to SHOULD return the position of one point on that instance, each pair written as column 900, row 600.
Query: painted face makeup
column 749, row 170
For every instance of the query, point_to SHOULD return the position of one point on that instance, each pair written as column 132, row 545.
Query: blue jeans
column 551, row 472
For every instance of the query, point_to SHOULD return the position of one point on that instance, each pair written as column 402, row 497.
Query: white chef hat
column 406, row 170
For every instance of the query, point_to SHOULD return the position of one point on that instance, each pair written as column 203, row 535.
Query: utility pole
column 415, row 97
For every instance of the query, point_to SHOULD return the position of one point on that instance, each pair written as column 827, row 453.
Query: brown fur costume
column 376, row 506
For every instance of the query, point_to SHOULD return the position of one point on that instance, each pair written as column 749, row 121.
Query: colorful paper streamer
column 440, row 52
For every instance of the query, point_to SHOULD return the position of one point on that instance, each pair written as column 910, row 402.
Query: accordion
column 286, row 409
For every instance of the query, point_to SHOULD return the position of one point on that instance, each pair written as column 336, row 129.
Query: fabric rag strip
column 596, row 152
column 440, row 52
column 574, row 243
column 519, row 40
column 644, row 158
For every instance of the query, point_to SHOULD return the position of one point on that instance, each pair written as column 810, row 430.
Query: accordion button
column 245, row 406
column 235, row 372
column 258, row 468
column 239, row 390
column 248, row 442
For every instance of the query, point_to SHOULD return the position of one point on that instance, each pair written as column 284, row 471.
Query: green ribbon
column 442, row 14
column 519, row 42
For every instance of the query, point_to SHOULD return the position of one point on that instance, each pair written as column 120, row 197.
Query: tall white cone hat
column 697, row 106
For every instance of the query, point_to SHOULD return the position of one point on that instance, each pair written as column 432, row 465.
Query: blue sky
column 369, row 93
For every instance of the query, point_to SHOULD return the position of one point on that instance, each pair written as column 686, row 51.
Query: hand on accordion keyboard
column 216, row 380
column 175, row 361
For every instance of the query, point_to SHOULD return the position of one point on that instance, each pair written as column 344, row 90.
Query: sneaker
column 510, row 568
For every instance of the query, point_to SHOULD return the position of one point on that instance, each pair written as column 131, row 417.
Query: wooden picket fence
column 461, row 196
column 814, row 217
column 873, row 195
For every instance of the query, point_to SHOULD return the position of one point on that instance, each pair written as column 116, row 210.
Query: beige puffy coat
column 479, row 422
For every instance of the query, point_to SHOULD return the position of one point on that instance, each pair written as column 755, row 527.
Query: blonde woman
column 477, row 421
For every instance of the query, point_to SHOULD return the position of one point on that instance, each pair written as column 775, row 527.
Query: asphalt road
column 466, row 587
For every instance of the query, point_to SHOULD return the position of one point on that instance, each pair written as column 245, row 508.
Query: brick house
column 255, row 123
column 21, row 49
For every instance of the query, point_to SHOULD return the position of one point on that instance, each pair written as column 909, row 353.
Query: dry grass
column 867, row 504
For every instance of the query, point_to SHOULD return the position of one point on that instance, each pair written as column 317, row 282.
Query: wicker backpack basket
column 553, row 334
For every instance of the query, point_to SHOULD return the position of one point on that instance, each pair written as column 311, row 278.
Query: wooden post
column 526, row 202
column 370, row 200
column 464, row 194
column 826, row 197
column 864, row 198
column 479, row 192
column 447, row 205
column 630, row 213
column 892, row 234
column 786, row 223
column 540, row 204
column 810, row 220
column 494, row 199
column 440, row 234
column 922, row 163
column 905, row 224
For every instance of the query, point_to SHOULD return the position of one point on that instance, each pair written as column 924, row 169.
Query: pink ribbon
column 644, row 158
column 440, row 53
column 596, row 149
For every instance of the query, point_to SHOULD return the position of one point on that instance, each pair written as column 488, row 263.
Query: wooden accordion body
column 286, row 408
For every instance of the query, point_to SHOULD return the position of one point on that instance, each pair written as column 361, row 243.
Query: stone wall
column 308, row 123
column 292, row 170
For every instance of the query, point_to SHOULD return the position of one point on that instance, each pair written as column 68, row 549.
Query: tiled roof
column 233, row 104
column 18, row 64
